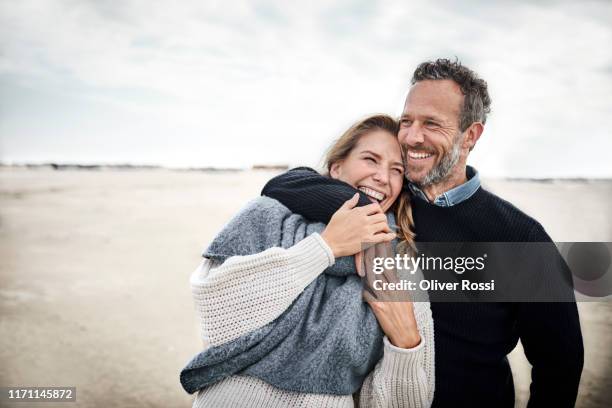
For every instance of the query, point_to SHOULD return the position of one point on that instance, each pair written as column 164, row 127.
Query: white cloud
column 218, row 83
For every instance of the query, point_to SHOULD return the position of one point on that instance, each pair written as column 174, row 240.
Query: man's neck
column 454, row 180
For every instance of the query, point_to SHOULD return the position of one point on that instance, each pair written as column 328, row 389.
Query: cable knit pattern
column 226, row 294
column 248, row 292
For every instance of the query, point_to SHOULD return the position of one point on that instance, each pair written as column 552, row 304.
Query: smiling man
column 443, row 118
column 435, row 143
column 441, row 123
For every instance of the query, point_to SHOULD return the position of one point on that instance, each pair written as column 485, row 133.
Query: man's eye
column 431, row 124
column 405, row 122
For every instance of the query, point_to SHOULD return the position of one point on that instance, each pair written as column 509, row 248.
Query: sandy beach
column 94, row 289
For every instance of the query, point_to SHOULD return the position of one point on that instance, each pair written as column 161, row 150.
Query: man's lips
column 419, row 155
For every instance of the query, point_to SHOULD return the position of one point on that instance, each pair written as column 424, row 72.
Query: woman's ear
column 334, row 170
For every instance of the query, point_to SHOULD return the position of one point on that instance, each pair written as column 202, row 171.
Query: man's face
column 429, row 131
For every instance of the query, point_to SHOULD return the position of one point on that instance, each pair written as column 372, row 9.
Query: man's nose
column 412, row 135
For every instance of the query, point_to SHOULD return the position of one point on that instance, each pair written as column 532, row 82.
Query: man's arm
column 306, row 192
column 552, row 340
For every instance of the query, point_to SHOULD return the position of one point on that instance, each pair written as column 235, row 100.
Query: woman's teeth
column 418, row 155
column 373, row 193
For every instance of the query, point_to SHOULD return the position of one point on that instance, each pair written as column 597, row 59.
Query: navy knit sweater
column 472, row 340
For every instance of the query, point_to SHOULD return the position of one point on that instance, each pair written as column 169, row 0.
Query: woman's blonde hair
column 347, row 142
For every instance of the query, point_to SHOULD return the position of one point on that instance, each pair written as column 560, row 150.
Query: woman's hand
column 350, row 227
column 394, row 314
column 397, row 321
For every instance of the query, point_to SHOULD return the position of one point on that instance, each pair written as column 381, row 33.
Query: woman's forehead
column 381, row 143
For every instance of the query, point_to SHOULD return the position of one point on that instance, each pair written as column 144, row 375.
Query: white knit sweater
column 261, row 287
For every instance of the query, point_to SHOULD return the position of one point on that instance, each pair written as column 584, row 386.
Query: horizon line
column 269, row 167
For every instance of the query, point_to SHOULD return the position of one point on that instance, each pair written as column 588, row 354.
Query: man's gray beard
column 444, row 168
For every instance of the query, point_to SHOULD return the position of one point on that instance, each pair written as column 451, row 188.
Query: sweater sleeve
column 552, row 340
column 247, row 292
column 306, row 192
column 404, row 377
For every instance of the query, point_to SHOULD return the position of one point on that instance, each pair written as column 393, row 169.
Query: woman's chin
column 385, row 206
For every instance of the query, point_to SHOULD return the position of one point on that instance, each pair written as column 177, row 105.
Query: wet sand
column 94, row 275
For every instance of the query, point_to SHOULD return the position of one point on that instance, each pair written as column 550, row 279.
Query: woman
column 243, row 301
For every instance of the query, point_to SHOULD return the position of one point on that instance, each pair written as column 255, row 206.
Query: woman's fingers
column 376, row 218
column 368, row 296
column 350, row 203
column 379, row 227
column 371, row 209
column 382, row 237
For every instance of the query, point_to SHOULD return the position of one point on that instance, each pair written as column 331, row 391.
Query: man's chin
column 418, row 172
column 416, row 179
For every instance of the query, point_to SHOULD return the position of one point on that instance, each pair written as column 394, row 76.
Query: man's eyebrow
column 427, row 117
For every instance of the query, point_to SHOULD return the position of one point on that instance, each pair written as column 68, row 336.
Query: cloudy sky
column 237, row 83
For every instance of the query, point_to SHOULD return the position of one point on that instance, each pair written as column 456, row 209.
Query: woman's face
column 374, row 166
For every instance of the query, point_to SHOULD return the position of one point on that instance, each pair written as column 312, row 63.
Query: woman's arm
column 304, row 191
column 404, row 377
column 248, row 292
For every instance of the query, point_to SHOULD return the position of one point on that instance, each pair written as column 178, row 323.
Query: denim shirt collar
column 455, row 195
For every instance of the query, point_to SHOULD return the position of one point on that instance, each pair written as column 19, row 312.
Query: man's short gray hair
column 476, row 99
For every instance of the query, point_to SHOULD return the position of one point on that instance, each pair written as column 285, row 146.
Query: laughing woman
column 280, row 304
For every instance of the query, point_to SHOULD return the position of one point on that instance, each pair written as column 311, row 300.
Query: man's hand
column 350, row 227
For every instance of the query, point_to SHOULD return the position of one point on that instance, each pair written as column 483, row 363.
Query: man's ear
column 472, row 134
column 334, row 170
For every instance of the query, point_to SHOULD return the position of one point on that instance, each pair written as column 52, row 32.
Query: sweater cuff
column 328, row 252
column 399, row 362
column 396, row 349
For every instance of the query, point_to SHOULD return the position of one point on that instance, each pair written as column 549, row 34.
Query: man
column 443, row 118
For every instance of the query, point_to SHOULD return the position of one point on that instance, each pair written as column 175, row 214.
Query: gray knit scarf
column 326, row 342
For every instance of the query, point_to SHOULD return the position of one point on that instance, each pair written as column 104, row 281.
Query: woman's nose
column 381, row 176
